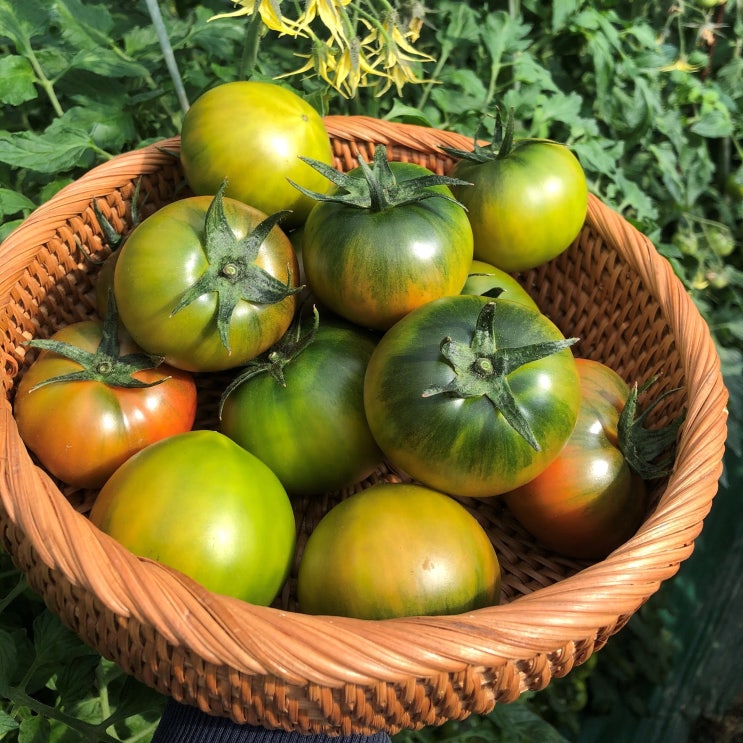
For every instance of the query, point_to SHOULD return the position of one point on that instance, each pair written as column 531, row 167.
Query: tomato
column 208, row 283
column 204, row 506
column 588, row 501
column 373, row 251
column 484, row 277
column 397, row 549
column 300, row 408
column 253, row 133
column 472, row 396
column 82, row 429
column 527, row 203
column 593, row 497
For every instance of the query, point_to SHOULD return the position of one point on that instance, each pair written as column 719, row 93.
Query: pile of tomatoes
column 364, row 317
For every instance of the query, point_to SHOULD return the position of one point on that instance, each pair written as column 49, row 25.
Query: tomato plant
column 472, row 396
column 201, row 504
column 592, row 498
column 92, row 399
column 300, row 407
column 252, row 134
column 397, row 549
column 208, row 283
column 387, row 239
column 527, row 201
column 484, row 278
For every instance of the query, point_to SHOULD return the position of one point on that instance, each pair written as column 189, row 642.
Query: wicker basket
column 279, row 668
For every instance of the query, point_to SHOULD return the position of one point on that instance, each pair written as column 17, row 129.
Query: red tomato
column 82, row 430
column 589, row 501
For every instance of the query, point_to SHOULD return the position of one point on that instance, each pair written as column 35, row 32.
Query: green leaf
column 12, row 202
column 34, row 729
column 21, row 22
column 8, row 660
column 7, row 723
column 83, row 25
column 713, row 124
column 16, row 80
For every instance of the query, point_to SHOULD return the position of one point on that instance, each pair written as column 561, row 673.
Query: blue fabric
column 181, row 723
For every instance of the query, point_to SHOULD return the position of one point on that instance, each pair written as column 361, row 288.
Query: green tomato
column 396, row 550
column 206, row 293
column 301, row 409
column 454, row 401
column 204, row 506
column 253, row 134
column 373, row 265
column 526, row 204
column 484, row 277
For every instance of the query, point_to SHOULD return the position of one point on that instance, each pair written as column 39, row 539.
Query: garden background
column 648, row 95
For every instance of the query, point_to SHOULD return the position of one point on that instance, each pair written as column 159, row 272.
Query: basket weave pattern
column 277, row 667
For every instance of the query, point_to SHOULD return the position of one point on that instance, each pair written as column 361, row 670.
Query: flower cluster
column 351, row 45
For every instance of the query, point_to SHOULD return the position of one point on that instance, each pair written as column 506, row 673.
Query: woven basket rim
column 333, row 651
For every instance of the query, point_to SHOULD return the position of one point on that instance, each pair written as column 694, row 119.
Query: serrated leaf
column 44, row 153
column 107, row 64
column 16, row 80
column 84, row 25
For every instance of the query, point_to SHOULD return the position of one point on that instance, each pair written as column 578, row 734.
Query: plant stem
column 249, row 57
column 167, row 49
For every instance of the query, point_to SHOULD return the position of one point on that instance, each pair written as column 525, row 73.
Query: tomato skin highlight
column 588, row 501
column 465, row 446
column 204, row 506
column 372, row 268
column 397, row 550
column 81, row 431
column 164, row 256
column 253, row 133
column 526, row 207
column 312, row 432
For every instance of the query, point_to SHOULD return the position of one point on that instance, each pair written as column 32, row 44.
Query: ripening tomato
column 201, row 504
column 589, row 501
column 208, row 283
column 253, row 134
column 300, row 407
column 388, row 239
column 87, row 415
column 472, row 396
column 396, row 550
column 527, row 202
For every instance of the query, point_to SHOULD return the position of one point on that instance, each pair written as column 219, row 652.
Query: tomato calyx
column 482, row 369
column 497, row 147
column 275, row 359
column 105, row 365
column 379, row 189
column 231, row 271
column 642, row 447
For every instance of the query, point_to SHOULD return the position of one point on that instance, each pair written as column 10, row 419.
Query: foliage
column 648, row 95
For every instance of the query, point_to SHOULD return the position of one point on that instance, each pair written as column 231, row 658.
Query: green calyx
column 482, row 369
column 498, row 147
column 105, row 365
column 274, row 360
column 645, row 449
column 379, row 189
column 231, row 271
